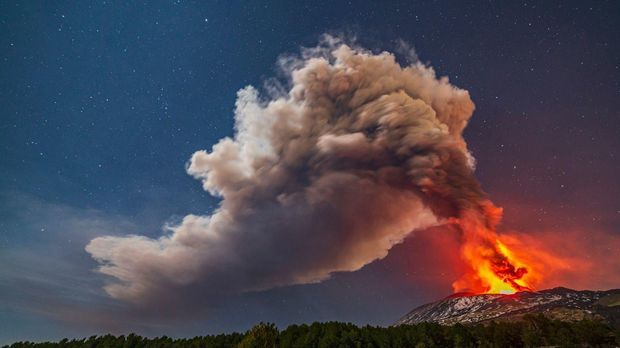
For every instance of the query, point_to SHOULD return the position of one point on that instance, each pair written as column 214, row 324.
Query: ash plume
column 326, row 177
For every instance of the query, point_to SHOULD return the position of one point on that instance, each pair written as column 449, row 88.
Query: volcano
column 557, row 303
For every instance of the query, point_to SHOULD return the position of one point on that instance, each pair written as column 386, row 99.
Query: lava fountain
column 492, row 267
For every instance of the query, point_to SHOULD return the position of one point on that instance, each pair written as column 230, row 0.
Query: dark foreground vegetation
column 532, row 331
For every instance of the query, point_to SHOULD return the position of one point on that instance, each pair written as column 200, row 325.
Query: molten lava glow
column 492, row 267
column 506, row 276
column 515, row 261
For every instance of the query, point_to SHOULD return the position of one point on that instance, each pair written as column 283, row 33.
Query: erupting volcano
column 325, row 174
column 494, row 267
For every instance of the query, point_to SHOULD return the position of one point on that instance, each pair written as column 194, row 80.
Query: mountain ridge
column 557, row 303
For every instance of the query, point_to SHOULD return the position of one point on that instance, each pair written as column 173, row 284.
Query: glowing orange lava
column 492, row 266
column 503, row 273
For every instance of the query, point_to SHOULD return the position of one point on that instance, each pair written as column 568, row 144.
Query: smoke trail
column 327, row 177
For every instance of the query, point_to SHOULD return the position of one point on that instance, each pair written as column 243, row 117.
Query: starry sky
column 103, row 103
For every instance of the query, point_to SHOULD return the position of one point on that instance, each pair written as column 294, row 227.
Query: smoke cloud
column 326, row 177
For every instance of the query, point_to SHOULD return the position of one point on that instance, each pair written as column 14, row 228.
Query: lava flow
column 492, row 267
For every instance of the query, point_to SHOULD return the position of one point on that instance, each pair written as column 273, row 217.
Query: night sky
column 103, row 103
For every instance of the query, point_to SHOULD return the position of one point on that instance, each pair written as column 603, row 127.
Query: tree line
column 531, row 331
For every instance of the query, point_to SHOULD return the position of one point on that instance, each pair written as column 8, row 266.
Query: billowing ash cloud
column 324, row 178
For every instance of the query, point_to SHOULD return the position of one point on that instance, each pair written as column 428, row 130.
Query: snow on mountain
column 557, row 303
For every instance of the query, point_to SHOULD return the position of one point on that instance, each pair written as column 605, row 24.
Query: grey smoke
column 327, row 177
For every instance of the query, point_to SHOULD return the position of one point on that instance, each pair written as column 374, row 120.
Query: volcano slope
column 557, row 303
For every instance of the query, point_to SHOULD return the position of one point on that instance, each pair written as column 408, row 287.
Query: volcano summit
column 557, row 303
